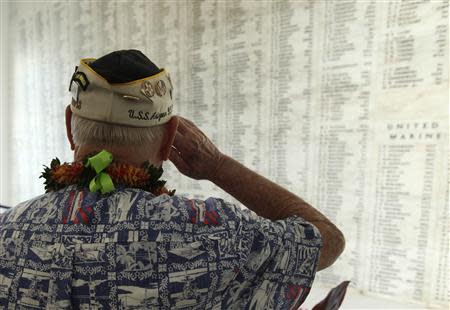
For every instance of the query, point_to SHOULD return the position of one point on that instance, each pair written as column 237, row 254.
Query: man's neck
column 130, row 154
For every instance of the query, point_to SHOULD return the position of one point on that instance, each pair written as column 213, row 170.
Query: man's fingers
column 180, row 143
column 178, row 161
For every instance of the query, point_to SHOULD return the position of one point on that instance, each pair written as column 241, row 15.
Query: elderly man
column 108, row 234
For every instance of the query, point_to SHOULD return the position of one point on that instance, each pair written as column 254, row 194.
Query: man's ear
column 170, row 130
column 69, row 127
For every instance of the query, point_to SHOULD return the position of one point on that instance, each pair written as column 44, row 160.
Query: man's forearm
column 273, row 202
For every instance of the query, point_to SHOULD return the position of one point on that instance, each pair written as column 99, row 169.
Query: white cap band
column 142, row 103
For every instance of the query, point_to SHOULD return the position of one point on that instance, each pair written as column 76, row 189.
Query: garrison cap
column 123, row 87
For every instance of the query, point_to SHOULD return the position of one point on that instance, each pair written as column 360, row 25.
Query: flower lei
column 146, row 177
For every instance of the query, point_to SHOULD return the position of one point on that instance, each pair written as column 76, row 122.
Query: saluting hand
column 193, row 153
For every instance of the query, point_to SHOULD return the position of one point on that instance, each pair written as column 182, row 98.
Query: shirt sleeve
column 3, row 216
column 277, row 259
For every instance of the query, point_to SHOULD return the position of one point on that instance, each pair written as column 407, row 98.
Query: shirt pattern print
column 129, row 249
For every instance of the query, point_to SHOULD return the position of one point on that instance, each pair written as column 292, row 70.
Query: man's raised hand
column 193, row 153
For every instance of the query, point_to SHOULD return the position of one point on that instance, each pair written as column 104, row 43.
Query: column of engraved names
column 424, row 225
column 385, row 229
column 291, row 89
column 244, row 82
column 405, row 44
column 205, row 89
column 415, row 61
column 345, row 96
column 203, row 62
column 402, row 230
column 440, row 293
column 287, row 85
column 306, row 140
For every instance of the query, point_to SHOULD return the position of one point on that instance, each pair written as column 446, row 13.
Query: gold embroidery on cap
column 147, row 89
column 129, row 97
column 160, row 88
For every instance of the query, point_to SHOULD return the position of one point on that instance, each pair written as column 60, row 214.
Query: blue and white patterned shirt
column 132, row 250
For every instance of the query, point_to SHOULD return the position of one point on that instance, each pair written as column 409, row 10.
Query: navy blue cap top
column 124, row 66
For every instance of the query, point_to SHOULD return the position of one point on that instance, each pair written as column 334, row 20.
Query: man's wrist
column 220, row 169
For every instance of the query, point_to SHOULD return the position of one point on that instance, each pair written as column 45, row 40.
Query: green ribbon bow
column 102, row 181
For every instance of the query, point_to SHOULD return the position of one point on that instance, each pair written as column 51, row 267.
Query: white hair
column 87, row 131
